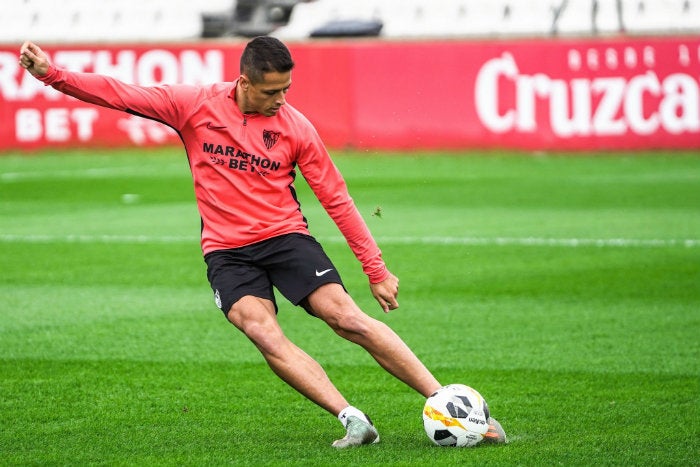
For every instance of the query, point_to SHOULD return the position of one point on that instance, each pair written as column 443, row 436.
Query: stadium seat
column 307, row 17
column 528, row 17
column 606, row 17
column 658, row 16
column 261, row 17
column 399, row 17
column 217, row 17
column 457, row 18
column 575, row 18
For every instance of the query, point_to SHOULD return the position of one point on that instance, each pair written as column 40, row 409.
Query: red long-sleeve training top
column 243, row 165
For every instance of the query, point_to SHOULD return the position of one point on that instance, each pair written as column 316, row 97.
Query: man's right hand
column 33, row 59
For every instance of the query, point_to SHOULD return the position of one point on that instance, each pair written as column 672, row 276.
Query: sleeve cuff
column 51, row 76
column 378, row 275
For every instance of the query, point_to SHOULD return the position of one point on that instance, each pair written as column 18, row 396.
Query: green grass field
column 565, row 288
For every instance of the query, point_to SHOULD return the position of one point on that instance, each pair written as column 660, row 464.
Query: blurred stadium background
column 508, row 74
column 534, row 75
column 157, row 20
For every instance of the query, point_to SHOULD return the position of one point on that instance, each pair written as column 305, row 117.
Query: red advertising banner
column 35, row 116
column 623, row 93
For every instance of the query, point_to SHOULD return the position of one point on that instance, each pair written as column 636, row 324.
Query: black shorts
column 294, row 264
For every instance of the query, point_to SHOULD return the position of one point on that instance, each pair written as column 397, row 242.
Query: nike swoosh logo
column 320, row 273
column 211, row 126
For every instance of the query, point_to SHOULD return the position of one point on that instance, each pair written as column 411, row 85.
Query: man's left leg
column 333, row 304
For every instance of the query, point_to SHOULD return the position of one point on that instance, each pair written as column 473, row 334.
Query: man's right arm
column 157, row 102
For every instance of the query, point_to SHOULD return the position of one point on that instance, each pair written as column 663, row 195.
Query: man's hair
column 265, row 54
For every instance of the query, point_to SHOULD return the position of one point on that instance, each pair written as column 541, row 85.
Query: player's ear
column 244, row 82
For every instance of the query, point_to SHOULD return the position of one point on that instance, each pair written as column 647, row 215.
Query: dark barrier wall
column 618, row 93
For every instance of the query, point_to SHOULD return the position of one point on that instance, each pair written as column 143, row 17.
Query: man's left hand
column 385, row 292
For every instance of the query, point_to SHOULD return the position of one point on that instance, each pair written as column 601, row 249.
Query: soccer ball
column 456, row 415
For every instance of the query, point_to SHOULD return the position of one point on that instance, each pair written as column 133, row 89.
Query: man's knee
column 349, row 322
column 258, row 321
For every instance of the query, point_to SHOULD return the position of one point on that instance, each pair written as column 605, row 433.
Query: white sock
column 348, row 411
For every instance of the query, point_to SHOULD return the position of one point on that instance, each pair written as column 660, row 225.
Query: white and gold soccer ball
column 456, row 415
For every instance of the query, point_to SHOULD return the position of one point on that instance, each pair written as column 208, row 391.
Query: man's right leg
column 257, row 319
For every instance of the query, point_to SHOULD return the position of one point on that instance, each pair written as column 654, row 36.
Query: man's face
column 267, row 96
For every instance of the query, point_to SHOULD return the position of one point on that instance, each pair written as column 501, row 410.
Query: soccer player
column 244, row 144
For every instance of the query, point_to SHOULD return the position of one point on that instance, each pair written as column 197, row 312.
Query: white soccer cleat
column 358, row 433
column 495, row 434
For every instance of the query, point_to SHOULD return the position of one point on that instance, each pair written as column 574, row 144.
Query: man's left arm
column 330, row 188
